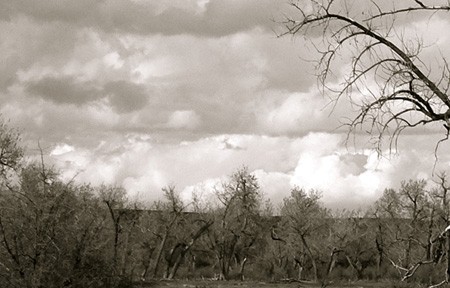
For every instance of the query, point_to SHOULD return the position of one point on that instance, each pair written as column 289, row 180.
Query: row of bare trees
column 56, row 233
column 402, row 235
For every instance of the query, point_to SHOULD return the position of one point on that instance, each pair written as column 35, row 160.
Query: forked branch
column 386, row 77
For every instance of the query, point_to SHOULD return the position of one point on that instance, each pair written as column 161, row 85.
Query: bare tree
column 443, row 214
column 11, row 152
column 115, row 200
column 172, row 211
column 350, row 237
column 365, row 54
column 52, row 233
column 412, row 229
column 304, row 217
column 235, row 220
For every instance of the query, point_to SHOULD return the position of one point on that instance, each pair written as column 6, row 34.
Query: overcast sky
column 148, row 93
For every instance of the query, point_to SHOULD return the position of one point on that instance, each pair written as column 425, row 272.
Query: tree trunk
column 146, row 263
column 358, row 270
column 271, row 271
column 117, row 231
column 408, row 253
column 241, row 270
column 160, row 251
column 299, row 275
column 127, row 252
column 311, row 256
column 177, row 264
column 175, row 258
column 225, row 258
column 448, row 257
column 379, row 257
column 224, row 268
column 185, row 248
column 300, row 268
column 350, row 262
column 332, row 261
column 430, row 236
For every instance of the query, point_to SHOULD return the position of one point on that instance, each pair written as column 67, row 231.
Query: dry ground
column 251, row 284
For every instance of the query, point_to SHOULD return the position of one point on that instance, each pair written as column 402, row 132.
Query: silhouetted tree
column 365, row 53
column 303, row 218
column 235, row 219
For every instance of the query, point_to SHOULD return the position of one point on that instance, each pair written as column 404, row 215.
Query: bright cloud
column 61, row 149
column 183, row 119
column 316, row 161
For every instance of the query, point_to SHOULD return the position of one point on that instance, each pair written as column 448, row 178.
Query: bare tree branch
column 380, row 54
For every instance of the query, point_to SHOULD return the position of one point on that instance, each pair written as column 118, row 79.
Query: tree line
column 56, row 233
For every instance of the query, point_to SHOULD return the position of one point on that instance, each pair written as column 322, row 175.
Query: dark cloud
column 64, row 90
column 50, row 10
column 125, row 96
column 219, row 18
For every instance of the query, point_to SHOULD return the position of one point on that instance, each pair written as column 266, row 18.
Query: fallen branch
column 409, row 272
column 439, row 284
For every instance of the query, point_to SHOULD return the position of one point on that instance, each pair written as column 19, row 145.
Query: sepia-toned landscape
column 210, row 143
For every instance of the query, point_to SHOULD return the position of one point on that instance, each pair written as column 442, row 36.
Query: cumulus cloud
column 274, row 185
column 337, row 181
column 319, row 161
column 203, row 192
column 186, row 119
column 230, row 144
column 356, row 178
column 295, row 113
column 120, row 160
column 61, row 149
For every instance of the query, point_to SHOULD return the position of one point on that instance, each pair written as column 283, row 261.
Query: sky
column 145, row 94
